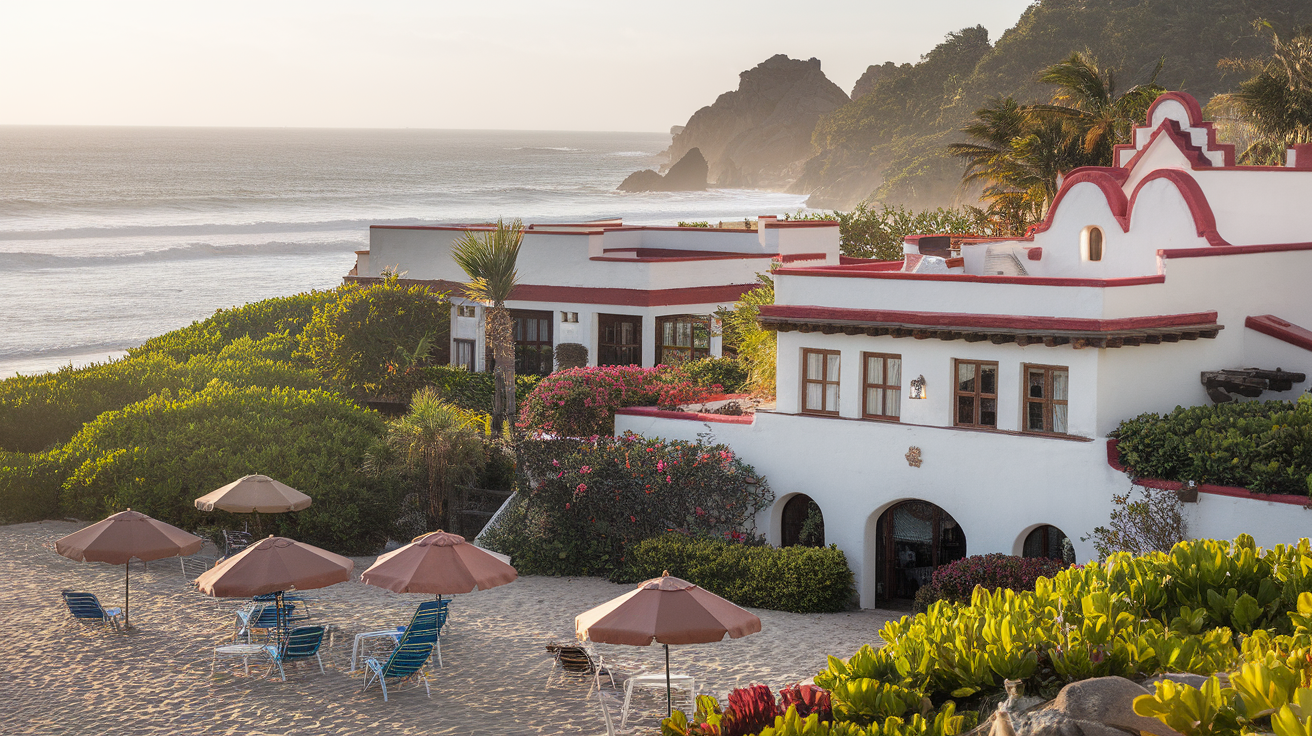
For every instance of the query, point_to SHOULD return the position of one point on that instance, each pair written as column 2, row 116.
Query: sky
column 616, row 65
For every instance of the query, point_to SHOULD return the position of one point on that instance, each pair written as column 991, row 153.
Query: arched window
column 1049, row 541
column 1092, row 237
column 915, row 537
column 802, row 523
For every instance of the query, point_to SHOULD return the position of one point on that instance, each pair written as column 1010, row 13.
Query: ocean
column 109, row 236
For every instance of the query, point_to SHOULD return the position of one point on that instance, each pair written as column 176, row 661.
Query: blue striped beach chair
column 302, row 643
column 85, row 608
column 407, row 662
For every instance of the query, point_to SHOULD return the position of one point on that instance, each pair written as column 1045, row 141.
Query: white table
column 394, row 634
column 245, row 651
column 657, row 680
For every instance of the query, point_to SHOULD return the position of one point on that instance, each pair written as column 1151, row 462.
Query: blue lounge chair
column 302, row 643
column 423, row 628
column 407, row 661
column 262, row 617
column 287, row 597
column 86, row 608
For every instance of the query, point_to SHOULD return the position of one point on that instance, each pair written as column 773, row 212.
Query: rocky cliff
column 759, row 135
column 688, row 175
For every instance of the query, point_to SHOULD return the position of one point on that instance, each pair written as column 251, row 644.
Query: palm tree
column 489, row 260
column 1276, row 103
column 1086, row 96
column 442, row 441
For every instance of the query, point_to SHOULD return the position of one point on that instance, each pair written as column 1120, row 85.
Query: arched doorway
column 1048, row 541
column 802, row 523
column 915, row 537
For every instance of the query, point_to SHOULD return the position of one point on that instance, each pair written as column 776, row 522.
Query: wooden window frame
column 824, row 382
column 455, row 353
column 537, row 348
column 977, row 394
column 1048, row 402
column 866, row 385
column 693, row 352
column 606, row 350
column 466, row 311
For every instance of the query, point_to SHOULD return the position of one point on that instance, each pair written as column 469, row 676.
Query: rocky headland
column 688, row 175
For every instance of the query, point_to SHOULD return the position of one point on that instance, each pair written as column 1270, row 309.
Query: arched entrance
column 1048, row 541
column 915, row 537
column 802, row 523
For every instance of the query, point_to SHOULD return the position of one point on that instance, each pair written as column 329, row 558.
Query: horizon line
column 320, row 127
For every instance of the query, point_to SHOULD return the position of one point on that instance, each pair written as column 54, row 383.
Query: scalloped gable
column 1178, row 117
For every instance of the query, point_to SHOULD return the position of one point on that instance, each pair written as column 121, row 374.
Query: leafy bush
column 29, row 488
column 288, row 314
column 956, row 581
column 581, row 402
column 158, row 455
column 37, row 412
column 727, row 373
column 571, row 355
column 1263, row 446
column 473, row 391
column 797, row 579
column 744, row 335
column 590, row 501
column 867, row 232
column 375, row 340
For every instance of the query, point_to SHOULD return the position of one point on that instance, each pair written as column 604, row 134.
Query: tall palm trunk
column 500, row 334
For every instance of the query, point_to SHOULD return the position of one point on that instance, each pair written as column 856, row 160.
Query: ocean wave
column 200, row 230
column 69, row 350
column 633, row 154
column 557, row 149
column 21, row 261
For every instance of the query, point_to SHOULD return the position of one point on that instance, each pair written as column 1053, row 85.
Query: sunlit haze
column 492, row 64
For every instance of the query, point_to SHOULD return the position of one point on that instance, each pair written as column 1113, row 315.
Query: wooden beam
column 1209, row 334
column 1053, row 341
column 974, row 337
column 1023, row 340
column 805, row 328
column 828, row 329
column 1115, row 342
column 1152, row 339
column 1169, row 337
column 1133, row 340
column 1001, row 339
column 782, row 327
column 948, row 335
column 1190, row 335
column 922, row 334
column 899, row 332
column 851, row 329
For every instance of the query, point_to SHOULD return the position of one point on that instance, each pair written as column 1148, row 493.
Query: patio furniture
column 657, row 680
column 235, row 541
column 245, row 651
column 295, row 599
column 407, row 661
column 605, row 713
column 259, row 616
column 86, row 608
column 423, row 627
column 578, row 660
column 302, row 643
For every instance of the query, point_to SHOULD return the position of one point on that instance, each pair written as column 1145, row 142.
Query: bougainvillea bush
column 590, row 500
column 581, row 402
column 956, row 581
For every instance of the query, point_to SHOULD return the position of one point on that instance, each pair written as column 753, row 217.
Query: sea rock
column 760, row 134
column 1108, row 700
column 1049, row 723
column 688, row 175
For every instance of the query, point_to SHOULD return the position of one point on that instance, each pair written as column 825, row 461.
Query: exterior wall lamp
column 917, row 388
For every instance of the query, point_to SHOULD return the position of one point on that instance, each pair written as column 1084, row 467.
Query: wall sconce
column 917, row 387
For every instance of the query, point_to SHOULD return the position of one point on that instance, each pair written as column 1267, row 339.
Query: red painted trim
column 1204, row 220
column 792, row 257
column 1269, row 324
column 1114, row 460
column 487, row 228
column 801, row 223
column 691, row 416
column 592, row 295
column 1170, row 128
column 667, row 255
column 1195, row 112
column 995, row 321
column 1232, row 250
column 865, row 273
column 1035, row 253
column 957, row 262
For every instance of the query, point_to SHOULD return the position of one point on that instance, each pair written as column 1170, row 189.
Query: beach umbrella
column 669, row 611
column 440, row 564
column 124, row 536
column 254, row 494
column 274, row 565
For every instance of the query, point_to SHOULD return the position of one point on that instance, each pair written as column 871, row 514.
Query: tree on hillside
column 441, row 441
column 1020, row 152
column 489, row 260
column 1276, row 102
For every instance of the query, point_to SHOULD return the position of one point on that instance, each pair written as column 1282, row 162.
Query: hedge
column 29, row 487
column 795, row 579
column 1263, row 446
column 287, row 314
column 726, row 375
column 957, row 580
column 473, row 391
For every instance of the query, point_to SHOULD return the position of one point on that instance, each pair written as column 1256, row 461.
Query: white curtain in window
column 1060, row 383
column 815, row 366
column 907, row 528
column 815, row 396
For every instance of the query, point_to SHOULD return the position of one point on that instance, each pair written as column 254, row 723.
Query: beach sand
column 61, row 677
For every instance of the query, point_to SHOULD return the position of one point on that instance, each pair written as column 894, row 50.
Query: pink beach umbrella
column 669, row 611
column 124, row 536
column 438, row 563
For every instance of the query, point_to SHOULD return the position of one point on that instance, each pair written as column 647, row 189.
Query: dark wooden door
column 619, row 339
column 533, row 347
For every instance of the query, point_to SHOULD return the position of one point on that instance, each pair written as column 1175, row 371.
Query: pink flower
column 660, row 465
column 669, row 479
column 580, row 488
column 585, row 469
column 555, row 463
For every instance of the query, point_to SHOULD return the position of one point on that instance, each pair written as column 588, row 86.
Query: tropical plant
column 754, row 345
column 581, row 402
column 1276, row 102
column 1153, row 523
column 488, row 258
column 440, row 441
column 956, row 581
column 867, row 231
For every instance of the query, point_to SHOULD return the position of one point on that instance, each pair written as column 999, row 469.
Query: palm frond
column 488, row 258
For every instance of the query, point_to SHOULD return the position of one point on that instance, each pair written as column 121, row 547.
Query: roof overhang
column 995, row 328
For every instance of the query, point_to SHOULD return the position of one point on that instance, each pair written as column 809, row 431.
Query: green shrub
column 158, row 455
column 288, row 314
column 581, row 402
column 956, row 581
column 591, row 500
column 571, row 355
column 374, row 341
column 473, row 391
column 29, row 487
column 38, row 412
column 753, row 344
column 797, row 579
column 1263, row 446
column 727, row 373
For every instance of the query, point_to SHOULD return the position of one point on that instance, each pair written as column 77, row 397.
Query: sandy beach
column 61, row 677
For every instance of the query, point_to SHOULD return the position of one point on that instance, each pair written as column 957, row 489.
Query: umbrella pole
column 127, row 573
column 669, row 703
column 282, row 618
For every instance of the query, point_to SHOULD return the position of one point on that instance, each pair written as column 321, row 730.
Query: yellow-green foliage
column 755, row 345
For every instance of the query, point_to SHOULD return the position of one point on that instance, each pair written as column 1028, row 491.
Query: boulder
column 1108, row 700
column 1049, row 723
column 688, row 175
column 642, row 181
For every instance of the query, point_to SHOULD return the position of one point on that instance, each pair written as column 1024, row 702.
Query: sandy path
column 58, row 677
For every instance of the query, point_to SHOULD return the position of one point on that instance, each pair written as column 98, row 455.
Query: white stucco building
column 958, row 401
column 630, row 295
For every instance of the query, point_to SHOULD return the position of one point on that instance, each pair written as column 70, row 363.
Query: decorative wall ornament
column 917, row 388
column 913, row 456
